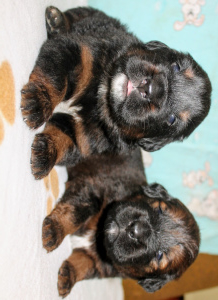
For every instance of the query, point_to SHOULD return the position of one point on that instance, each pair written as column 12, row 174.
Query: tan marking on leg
column 82, row 264
column 84, row 71
column 62, row 141
column 77, row 267
column 37, row 76
column 63, row 214
column 82, row 139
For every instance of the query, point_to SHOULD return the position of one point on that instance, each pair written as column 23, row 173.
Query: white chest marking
column 66, row 108
column 82, row 241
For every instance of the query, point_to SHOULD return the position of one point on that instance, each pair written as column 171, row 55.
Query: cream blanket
column 27, row 272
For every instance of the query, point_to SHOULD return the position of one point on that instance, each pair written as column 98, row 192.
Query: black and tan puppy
column 132, row 229
column 114, row 91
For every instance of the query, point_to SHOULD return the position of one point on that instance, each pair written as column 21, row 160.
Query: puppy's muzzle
column 145, row 88
column 138, row 230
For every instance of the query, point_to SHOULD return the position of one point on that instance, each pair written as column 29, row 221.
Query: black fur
column 119, row 91
column 134, row 229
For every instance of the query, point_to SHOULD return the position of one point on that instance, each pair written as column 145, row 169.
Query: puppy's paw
column 55, row 21
column 52, row 233
column 43, row 155
column 35, row 106
column 66, row 279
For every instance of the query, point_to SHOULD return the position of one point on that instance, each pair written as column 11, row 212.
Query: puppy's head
column 152, row 237
column 158, row 95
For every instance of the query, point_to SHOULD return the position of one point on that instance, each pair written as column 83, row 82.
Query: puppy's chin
column 128, row 104
column 119, row 87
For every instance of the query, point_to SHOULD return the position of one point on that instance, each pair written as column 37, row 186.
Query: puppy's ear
column 153, row 144
column 153, row 45
column 156, row 191
column 152, row 285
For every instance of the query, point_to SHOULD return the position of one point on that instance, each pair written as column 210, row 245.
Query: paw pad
column 52, row 234
column 65, row 283
column 43, row 155
column 35, row 105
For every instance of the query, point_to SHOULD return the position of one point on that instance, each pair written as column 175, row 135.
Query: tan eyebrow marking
column 189, row 73
column 184, row 115
column 156, row 204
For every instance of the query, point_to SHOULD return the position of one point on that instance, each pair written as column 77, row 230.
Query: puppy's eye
column 159, row 255
column 175, row 67
column 171, row 119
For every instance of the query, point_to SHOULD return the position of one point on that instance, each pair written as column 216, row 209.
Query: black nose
column 145, row 88
column 138, row 230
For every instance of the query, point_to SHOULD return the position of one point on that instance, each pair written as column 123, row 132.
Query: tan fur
column 63, row 213
column 62, row 141
column 85, row 72
column 185, row 115
column 82, row 139
column 37, row 76
column 189, row 73
column 81, row 263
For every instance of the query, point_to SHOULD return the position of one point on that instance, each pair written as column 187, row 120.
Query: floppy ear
column 156, row 191
column 153, row 144
column 152, row 45
column 152, row 285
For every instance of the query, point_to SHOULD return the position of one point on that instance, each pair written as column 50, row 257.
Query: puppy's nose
column 145, row 87
column 138, row 230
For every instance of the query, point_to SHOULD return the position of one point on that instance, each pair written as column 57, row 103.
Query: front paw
column 35, row 106
column 66, row 279
column 52, row 233
column 43, row 155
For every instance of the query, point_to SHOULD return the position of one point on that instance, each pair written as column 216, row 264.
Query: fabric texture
column 26, row 270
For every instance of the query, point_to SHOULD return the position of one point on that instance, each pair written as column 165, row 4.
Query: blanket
column 26, row 270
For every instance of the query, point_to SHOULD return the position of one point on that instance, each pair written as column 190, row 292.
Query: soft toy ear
column 152, row 285
column 152, row 45
column 153, row 144
column 156, row 191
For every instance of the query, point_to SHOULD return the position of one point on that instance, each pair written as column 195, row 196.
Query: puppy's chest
column 84, row 241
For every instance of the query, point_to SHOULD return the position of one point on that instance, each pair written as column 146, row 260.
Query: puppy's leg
column 80, row 202
column 80, row 265
column 63, row 141
column 49, row 81
column 55, row 144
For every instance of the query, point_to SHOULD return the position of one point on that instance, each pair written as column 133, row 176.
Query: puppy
column 132, row 229
column 102, row 90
